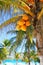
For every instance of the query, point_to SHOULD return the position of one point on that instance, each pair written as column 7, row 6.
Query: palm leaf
column 27, row 45
column 29, row 32
column 19, row 38
column 12, row 31
column 22, row 5
column 12, row 39
column 7, row 42
column 40, row 14
column 11, row 20
column 3, row 53
column 5, row 4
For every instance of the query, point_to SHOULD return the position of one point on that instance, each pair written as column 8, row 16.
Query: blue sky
column 3, row 18
column 4, row 36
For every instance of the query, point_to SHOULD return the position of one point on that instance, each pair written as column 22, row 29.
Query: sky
column 4, row 36
column 3, row 18
column 3, row 32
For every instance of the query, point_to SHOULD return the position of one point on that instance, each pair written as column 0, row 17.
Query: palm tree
column 3, row 54
column 7, row 42
column 4, row 50
column 28, row 58
column 32, row 28
column 34, row 57
column 17, row 56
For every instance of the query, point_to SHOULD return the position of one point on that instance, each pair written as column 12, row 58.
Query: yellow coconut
column 21, row 22
column 18, row 27
column 41, row 1
column 25, row 17
column 28, row 23
column 23, row 27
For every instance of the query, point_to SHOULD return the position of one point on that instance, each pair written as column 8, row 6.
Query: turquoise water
column 14, row 62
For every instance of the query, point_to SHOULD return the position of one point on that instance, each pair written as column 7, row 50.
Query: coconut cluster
column 23, row 23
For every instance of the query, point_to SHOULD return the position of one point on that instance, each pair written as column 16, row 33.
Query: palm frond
column 12, row 39
column 5, row 5
column 29, row 32
column 27, row 45
column 19, row 38
column 40, row 14
column 3, row 53
column 12, row 31
column 22, row 5
column 7, row 42
column 11, row 20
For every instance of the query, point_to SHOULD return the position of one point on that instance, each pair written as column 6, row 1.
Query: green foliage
column 7, row 42
column 34, row 56
column 29, row 33
column 3, row 53
column 11, row 20
column 19, row 38
column 20, row 35
column 17, row 56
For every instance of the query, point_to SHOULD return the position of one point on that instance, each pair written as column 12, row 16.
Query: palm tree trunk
column 39, row 39
column 41, row 60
